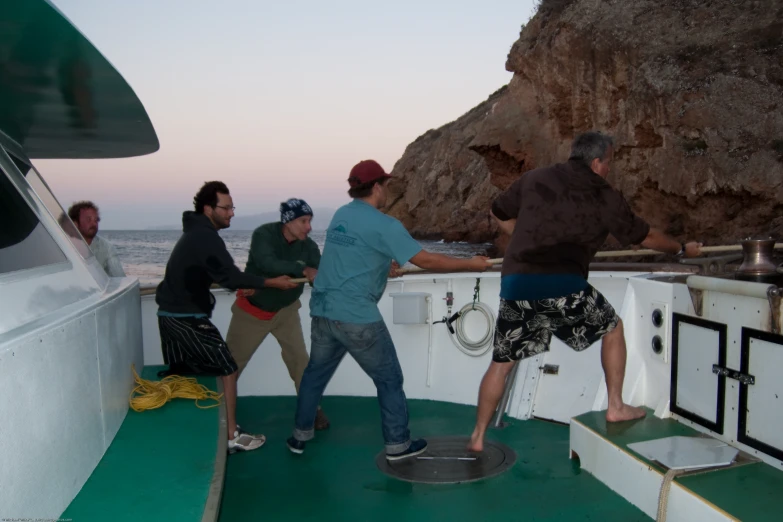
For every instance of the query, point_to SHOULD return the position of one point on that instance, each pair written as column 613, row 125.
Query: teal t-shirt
column 361, row 243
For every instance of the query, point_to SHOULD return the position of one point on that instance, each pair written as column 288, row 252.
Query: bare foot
column 624, row 413
column 476, row 444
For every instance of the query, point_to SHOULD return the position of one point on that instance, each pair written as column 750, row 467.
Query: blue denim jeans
column 372, row 347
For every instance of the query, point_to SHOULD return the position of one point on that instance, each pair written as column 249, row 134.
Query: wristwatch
column 681, row 252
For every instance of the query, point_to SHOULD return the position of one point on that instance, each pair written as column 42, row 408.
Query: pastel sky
column 280, row 99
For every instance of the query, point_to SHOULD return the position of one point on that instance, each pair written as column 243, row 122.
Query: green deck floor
column 336, row 479
column 140, row 478
column 750, row 492
column 158, row 467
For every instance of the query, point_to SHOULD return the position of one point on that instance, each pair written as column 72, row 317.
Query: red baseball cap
column 365, row 172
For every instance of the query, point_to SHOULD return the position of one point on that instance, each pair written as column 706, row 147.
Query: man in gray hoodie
column 190, row 342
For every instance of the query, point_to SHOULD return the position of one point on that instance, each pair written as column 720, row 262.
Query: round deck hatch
column 446, row 461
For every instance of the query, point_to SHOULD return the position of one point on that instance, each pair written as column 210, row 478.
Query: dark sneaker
column 295, row 446
column 321, row 422
column 417, row 447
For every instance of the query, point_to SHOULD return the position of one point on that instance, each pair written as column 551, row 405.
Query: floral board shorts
column 525, row 328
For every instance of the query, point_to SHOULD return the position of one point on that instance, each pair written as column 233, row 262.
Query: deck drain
column 447, row 462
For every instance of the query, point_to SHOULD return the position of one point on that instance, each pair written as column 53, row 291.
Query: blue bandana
column 294, row 208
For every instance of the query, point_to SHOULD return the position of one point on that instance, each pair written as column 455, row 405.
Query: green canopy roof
column 59, row 97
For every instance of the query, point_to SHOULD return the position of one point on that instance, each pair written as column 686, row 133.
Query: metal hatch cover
column 680, row 452
column 446, row 461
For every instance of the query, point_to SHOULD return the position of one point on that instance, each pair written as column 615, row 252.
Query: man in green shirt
column 279, row 248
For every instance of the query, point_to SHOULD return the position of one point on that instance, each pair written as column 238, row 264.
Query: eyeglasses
column 226, row 208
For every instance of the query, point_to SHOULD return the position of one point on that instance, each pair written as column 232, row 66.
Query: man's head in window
column 85, row 216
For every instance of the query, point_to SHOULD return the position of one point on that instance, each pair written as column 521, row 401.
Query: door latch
column 550, row 369
column 744, row 378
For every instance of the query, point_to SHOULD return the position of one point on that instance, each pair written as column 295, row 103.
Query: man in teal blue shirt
column 361, row 245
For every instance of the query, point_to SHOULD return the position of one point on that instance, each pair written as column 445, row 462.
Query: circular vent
column 446, row 461
column 657, row 344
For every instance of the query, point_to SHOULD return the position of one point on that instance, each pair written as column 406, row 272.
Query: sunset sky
column 280, row 99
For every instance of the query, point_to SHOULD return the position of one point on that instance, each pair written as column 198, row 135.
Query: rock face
column 692, row 91
column 440, row 187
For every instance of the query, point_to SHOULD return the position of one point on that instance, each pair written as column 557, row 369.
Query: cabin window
column 53, row 206
column 24, row 242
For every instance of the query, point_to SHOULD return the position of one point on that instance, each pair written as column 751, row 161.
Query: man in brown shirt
column 558, row 217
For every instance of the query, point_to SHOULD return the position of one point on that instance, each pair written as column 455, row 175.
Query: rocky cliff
column 692, row 91
column 440, row 187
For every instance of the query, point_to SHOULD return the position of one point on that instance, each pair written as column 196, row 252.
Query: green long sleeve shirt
column 271, row 255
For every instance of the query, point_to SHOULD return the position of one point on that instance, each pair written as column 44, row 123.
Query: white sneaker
column 245, row 442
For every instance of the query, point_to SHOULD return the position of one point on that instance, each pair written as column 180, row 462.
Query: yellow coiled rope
column 154, row 394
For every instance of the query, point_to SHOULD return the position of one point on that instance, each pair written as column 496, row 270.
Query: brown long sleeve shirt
column 564, row 214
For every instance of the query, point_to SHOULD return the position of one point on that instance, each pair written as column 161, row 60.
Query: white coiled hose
column 464, row 343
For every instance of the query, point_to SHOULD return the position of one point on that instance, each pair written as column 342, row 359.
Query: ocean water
column 144, row 253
